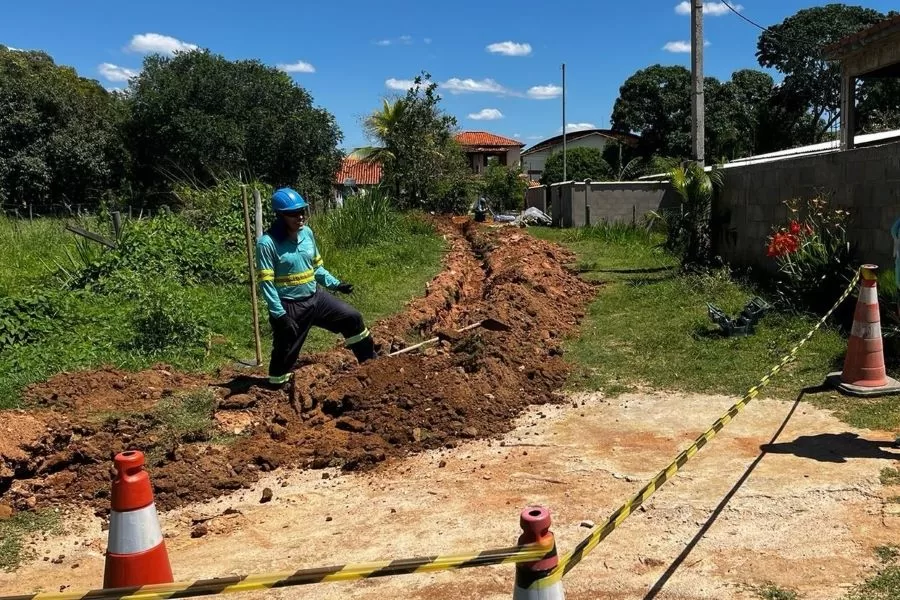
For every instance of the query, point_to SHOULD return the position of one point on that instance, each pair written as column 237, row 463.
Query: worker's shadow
column 833, row 447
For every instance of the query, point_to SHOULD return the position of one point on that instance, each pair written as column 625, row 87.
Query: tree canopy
column 795, row 47
column 581, row 163
column 198, row 116
column 423, row 164
column 59, row 133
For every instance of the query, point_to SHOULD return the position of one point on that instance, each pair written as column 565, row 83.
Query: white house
column 534, row 159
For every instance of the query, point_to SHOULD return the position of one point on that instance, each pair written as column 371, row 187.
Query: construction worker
column 290, row 275
column 480, row 209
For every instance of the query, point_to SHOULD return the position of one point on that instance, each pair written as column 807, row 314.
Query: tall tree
column 735, row 110
column 655, row 104
column 199, row 116
column 581, row 163
column 795, row 48
column 59, row 139
column 414, row 136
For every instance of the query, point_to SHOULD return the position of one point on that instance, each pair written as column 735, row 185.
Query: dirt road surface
column 804, row 512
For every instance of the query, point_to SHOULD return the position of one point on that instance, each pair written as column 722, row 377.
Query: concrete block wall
column 864, row 181
column 609, row 201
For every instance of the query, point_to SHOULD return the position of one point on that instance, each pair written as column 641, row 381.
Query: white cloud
column 713, row 9
column 112, row 72
column 486, row 114
column 297, row 67
column 399, row 84
column 680, row 46
column 455, row 85
column 148, row 43
column 517, row 135
column 570, row 127
column 544, row 92
column 536, row 137
column 403, row 39
column 427, row 40
column 510, row 48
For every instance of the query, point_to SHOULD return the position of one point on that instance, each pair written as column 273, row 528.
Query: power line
column 751, row 21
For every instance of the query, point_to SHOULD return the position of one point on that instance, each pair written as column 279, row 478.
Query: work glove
column 287, row 326
column 344, row 288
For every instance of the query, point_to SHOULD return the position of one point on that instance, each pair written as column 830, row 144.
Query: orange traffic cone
column 532, row 581
column 864, row 373
column 136, row 553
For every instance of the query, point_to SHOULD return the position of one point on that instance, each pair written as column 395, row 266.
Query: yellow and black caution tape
column 599, row 533
column 249, row 583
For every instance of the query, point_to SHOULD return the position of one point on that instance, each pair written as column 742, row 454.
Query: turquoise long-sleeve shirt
column 290, row 269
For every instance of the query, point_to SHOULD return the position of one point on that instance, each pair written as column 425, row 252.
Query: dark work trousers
column 322, row 310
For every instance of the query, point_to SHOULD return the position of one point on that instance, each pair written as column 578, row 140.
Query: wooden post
column 30, row 214
column 117, row 223
column 258, row 208
column 252, row 267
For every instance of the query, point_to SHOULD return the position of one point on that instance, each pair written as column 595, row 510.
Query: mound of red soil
column 469, row 385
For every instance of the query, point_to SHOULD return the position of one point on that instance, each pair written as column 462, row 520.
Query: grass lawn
column 385, row 276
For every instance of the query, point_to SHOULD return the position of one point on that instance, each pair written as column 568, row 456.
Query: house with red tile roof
column 479, row 146
column 355, row 174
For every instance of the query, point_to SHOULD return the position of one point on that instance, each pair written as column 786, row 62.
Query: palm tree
column 381, row 126
column 689, row 225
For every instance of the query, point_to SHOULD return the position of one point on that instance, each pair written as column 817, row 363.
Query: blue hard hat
column 286, row 200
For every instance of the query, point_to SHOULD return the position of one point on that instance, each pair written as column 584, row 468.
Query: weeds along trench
column 207, row 436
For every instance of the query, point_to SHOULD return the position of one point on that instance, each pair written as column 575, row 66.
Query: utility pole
column 698, row 112
column 564, row 118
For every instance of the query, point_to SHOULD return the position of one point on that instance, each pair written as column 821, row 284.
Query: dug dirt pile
column 468, row 386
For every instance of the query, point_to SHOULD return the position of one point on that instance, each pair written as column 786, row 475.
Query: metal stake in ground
column 252, row 267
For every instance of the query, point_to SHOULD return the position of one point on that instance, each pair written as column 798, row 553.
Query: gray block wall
column 864, row 181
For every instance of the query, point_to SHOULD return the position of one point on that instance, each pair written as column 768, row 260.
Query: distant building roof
column 854, row 41
column 364, row 173
column 483, row 139
column 627, row 138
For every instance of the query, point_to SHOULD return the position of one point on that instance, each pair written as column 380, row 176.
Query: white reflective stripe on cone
column 866, row 331
column 868, row 295
column 134, row 531
column 553, row 592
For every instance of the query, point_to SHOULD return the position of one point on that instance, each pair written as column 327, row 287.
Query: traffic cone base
column 864, row 372
column 891, row 386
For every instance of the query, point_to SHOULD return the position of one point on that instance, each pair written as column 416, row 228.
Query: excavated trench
column 356, row 416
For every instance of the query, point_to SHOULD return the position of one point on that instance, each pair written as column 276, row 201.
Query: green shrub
column 365, row 219
column 167, row 245
column 27, row 319
column 164, row 319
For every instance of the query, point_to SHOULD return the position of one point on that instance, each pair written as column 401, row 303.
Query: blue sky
column 499, row 60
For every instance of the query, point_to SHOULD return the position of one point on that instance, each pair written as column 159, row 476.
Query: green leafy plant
column 164, row 319
column 813, row 255
column 27, row 319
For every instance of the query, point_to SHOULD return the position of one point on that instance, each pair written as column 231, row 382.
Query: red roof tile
column 362, row 172
column 483, row 138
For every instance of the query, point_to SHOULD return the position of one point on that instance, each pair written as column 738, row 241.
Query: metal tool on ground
column 745, row 322
column 489, row 324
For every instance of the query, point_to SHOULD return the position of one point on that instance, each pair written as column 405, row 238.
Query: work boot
column 364, row 349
